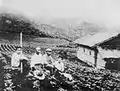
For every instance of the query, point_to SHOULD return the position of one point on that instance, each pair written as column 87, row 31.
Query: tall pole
column 21, row 68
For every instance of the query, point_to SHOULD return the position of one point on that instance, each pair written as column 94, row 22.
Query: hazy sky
column 104, row 11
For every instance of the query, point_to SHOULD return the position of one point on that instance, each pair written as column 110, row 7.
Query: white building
column 94, row 48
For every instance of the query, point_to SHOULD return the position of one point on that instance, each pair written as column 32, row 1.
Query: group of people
column 87, row 77
column 38, row 61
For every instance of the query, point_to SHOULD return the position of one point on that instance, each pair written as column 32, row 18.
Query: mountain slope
column 71, row 33
column 15, row 23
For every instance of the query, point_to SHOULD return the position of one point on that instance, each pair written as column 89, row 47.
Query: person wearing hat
column 48, row 60
column 37, row 58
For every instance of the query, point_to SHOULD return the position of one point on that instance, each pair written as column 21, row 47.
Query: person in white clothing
column 37, row 58
column 59, row 64
column 16, row 57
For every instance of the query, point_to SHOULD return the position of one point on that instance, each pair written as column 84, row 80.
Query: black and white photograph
column 59, row 45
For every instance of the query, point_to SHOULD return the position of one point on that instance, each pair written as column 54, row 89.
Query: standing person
column 37, row 58
column 16, row 57
column 48, row 60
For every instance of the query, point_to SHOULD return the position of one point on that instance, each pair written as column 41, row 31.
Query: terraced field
column 9, row 42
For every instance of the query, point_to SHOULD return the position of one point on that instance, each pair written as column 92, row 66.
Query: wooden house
column 93, row 49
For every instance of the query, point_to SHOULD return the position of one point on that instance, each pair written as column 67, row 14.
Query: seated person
column 39, row 74
column 48, row 60
column 59, row 64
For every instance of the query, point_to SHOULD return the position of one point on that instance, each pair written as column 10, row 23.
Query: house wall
column 109, row 53
column 106, row 54
column 85, row 54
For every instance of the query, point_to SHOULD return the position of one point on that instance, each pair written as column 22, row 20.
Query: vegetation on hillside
column 11, row 23
column 15, row 23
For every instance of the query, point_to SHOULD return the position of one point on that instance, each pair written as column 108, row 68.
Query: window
column 83, row 49
column 90, row 52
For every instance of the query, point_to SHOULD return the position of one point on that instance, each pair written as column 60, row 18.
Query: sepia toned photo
column 59, row 45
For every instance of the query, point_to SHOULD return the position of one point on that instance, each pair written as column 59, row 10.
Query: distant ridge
column 13, row 21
